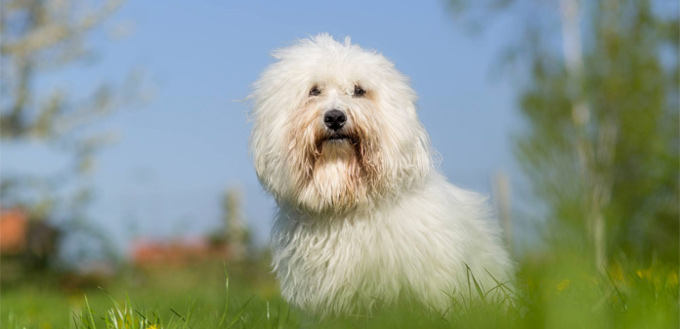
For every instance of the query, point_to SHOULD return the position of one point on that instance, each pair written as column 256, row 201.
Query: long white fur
column 370, row 221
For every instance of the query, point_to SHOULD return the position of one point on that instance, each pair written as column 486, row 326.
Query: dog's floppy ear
column 417, row 159
column 270, row 101
column 276, row 96
column 406, row 144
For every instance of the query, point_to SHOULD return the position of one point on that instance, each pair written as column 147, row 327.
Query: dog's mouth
column 338, row 138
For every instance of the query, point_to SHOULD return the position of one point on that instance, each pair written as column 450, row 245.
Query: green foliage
column 40, row 38
column 599, row 96
column 605, row 138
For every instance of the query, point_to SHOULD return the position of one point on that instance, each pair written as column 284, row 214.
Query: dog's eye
column 315, row 91
column 358, row 91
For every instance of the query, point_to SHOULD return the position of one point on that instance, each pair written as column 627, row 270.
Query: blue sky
column 178, row 152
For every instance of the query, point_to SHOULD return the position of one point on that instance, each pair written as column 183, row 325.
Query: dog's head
column 335, row 127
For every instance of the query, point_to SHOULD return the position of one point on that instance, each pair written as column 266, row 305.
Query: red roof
column 13, row 231
column 176, row 252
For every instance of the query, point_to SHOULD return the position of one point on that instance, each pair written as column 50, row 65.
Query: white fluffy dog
column 363, row 215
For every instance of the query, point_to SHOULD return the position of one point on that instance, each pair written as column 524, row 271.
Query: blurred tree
column 601, row 112
column 236, row 233
column 39, row 37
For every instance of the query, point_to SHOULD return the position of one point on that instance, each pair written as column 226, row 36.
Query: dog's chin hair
column 339, row 179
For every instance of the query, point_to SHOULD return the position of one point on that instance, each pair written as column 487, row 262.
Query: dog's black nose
column 334, row 119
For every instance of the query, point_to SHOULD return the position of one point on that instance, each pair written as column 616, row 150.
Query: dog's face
column 335, row 127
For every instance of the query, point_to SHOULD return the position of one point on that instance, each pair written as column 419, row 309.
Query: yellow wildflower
column 645, row 274
column 563, row 285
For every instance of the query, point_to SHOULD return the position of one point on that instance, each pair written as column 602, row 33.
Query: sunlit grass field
column 556, row 291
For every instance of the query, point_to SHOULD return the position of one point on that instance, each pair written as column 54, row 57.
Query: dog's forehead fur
column 326, row 56
column 322, row 59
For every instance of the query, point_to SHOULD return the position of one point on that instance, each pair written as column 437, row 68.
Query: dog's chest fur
column 417, row 247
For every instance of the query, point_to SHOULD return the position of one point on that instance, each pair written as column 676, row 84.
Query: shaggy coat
column 363, row 214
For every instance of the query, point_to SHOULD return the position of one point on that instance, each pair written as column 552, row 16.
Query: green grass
column 550, row 292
